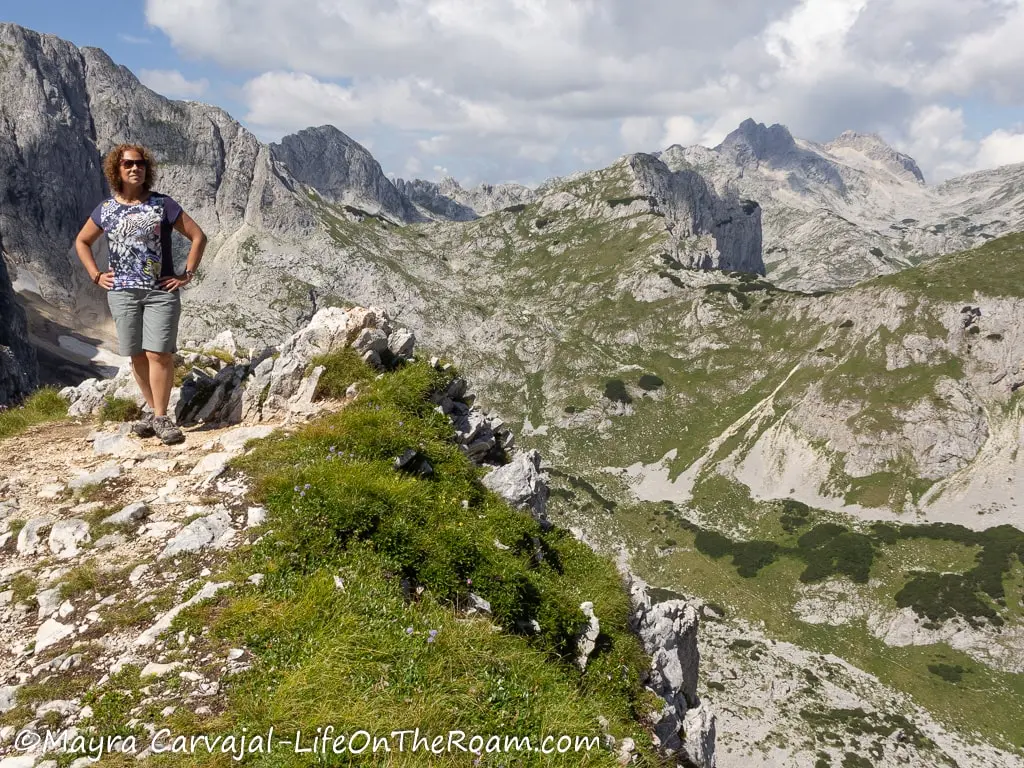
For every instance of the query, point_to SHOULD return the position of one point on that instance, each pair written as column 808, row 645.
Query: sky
column 523, row 90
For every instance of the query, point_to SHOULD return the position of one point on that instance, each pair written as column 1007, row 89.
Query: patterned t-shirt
column 139, row 239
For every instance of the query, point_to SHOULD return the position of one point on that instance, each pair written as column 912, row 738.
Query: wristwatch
column 190, row 273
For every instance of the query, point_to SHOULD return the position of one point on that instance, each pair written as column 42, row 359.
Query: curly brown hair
column 112, row 166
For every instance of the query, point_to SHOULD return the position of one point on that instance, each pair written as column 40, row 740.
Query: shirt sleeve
column 171, row 210
column 96, row 216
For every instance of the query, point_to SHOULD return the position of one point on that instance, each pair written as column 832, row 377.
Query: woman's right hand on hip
column 106, row 281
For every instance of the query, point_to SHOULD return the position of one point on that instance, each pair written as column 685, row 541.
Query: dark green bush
column 615, row 390
column 651, row 382
column 951, row 673
column 820, row 534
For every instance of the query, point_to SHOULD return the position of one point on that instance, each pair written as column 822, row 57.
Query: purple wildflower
column 306, row 486
column 408, row 630
column 469, row 582
column 433, row 635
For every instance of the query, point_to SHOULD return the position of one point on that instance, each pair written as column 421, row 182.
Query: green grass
column 23, row 586
column 44, row 405
column 985, row 701
column 83, row 578
column 119, row 409
column 994, row 269
column 392, row 649
column 341, row 369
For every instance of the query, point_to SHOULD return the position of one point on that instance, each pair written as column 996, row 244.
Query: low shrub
column 119, row 409
column 615, row 390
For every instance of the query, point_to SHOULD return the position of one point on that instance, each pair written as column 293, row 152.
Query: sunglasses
column 133, row 163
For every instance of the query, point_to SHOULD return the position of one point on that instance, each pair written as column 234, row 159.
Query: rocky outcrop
column 49, row 162
column 708, row 231
column 18, row 374
column 753, row 144
column 64, row 108
column 342, row 171
column 668, row 630
column 522, row 484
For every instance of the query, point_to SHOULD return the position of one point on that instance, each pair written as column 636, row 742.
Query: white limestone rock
column 66, row 536
column 200, row 533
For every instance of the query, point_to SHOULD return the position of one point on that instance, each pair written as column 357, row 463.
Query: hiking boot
column 144, row 426
column 166, row 431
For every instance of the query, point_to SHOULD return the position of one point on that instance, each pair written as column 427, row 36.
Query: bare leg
column 140, row 367
column 161, row 376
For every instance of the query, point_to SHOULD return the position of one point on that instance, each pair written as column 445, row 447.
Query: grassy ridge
column 359, row 621
column 994, row 269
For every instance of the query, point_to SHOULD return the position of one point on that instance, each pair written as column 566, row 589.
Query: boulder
column 522, row 485
column 198, row 534
column 133, row 513
column 66, row 535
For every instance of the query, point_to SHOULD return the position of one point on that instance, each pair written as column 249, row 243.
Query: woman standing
column 141, row 284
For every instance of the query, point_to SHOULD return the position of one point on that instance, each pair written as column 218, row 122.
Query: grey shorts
column 146, row 320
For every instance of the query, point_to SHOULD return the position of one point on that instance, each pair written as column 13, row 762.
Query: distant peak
column 326, row 131
column 875, row 147
column 855, row 138
column 758, row 140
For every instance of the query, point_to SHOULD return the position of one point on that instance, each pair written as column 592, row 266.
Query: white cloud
column 172, row 84
column 640, row 133
column 681, row 129
column 527, row 88
column 936, row 139
column 412, row 167
column 1000, row 147
column 134, row 40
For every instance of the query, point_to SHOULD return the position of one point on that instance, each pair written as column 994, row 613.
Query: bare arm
column 187, row 226
column 89, row 234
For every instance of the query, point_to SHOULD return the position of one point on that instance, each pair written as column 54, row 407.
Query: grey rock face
column 521, row 483
column 63, row 108
column 342, row 171
column 49, row 163
column 204, row 532
column 875, row 148
column 668, row 631
column 754, row 144
column 66, row 535
column 18, row 372
column 837, row 213
column 448, row 201
column 693, row 209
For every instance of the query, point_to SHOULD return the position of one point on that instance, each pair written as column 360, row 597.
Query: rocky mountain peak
column 341, row 170
column 756, row 141
column 449, row 185
column 875, row 148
